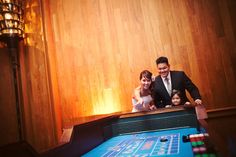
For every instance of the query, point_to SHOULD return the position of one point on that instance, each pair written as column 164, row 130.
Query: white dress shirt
column 165, row 83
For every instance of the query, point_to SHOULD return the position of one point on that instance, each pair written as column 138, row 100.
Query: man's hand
column 198, row 101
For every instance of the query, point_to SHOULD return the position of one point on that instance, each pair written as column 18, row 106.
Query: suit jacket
column 179, row 81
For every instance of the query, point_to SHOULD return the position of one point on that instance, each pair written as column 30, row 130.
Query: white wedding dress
column 142, row 107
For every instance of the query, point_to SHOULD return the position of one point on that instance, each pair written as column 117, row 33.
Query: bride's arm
column 137, row 96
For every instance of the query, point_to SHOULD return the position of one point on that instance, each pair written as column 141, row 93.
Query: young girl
column 145, row 102
column 176, row 98
column 200, row 109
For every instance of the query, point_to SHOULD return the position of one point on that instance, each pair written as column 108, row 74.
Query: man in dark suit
column 170, row 80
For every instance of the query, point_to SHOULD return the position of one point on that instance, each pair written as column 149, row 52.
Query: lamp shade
column 11, row 18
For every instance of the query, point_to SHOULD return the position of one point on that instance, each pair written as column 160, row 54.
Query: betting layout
column 159, row 143
column 142, row 145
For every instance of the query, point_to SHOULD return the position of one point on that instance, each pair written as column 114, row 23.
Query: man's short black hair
column 162, row 59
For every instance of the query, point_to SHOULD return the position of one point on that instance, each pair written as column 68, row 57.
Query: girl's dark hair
column 146, row 74
column 176, row 92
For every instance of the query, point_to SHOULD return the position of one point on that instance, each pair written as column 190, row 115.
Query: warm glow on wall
column 107, row 103
column 33, row 24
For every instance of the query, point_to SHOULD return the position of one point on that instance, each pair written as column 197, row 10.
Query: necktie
column 168, row 86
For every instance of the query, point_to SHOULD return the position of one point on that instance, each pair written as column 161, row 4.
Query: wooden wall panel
column 50, row 59
column 8, row 116
column 40, row 129
column 102, row 46
column 38, row 114
column 223, row 139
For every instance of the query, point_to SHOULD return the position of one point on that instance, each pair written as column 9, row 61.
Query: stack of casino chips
column 201, row 145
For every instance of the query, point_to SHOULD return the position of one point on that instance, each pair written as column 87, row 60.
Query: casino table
column 152, row 143
column 171, row 132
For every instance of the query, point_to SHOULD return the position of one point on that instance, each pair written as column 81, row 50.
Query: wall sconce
column 11, row 19
column 11, row 31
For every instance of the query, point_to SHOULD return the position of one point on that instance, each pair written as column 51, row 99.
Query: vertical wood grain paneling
column 103, row 45
column 51, row 64
column 39, row 113
column 8, row 116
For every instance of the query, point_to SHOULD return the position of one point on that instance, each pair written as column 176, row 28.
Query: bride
column 145, row 102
